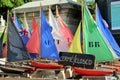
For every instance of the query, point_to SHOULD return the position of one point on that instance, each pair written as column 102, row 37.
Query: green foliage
column 91, row 4
column 17, row 2
column 27, row 1
column 9, row 5
column 81, row 1
column 5, row 3
column 4, row 40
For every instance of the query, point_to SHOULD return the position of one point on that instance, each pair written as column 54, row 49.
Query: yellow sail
column 75, row 46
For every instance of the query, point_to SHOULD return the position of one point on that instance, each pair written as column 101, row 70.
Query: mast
column 49, row 13
column 7, row 35
column 95, row 10
column 40, row 30
column 56, row 11
column 82, row 26
column 83, row 37
column 33, row 14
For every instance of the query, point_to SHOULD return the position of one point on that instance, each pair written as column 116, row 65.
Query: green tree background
column 6, row 5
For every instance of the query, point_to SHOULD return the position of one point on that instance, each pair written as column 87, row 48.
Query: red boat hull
column 92, row 72
column 46, row 65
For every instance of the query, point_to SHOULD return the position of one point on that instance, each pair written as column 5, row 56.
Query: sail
column 60, row 41
column 1, row 43
column 48, row 48
column 94, row 43
column 22, row 32
column 26, row 26
column 33, row 45
column 76, row 43
column 17, row 23
column 64, row 29
column 106, row 32
column 16, row 50
column 4, row 50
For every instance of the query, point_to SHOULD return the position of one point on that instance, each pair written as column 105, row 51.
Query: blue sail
column 48, row 48
column 17, row 23
column 104, row 29
column 23, row 33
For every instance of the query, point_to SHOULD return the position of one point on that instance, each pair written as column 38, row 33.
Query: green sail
column 94, row 42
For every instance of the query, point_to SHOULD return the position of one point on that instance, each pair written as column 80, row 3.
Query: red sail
column 65, row 30
column 33, row 45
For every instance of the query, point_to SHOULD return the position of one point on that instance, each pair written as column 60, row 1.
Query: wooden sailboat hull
column 8, row 69
column 28, row 68
column 46, row 65
column 92, row 72
column 117, row 68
